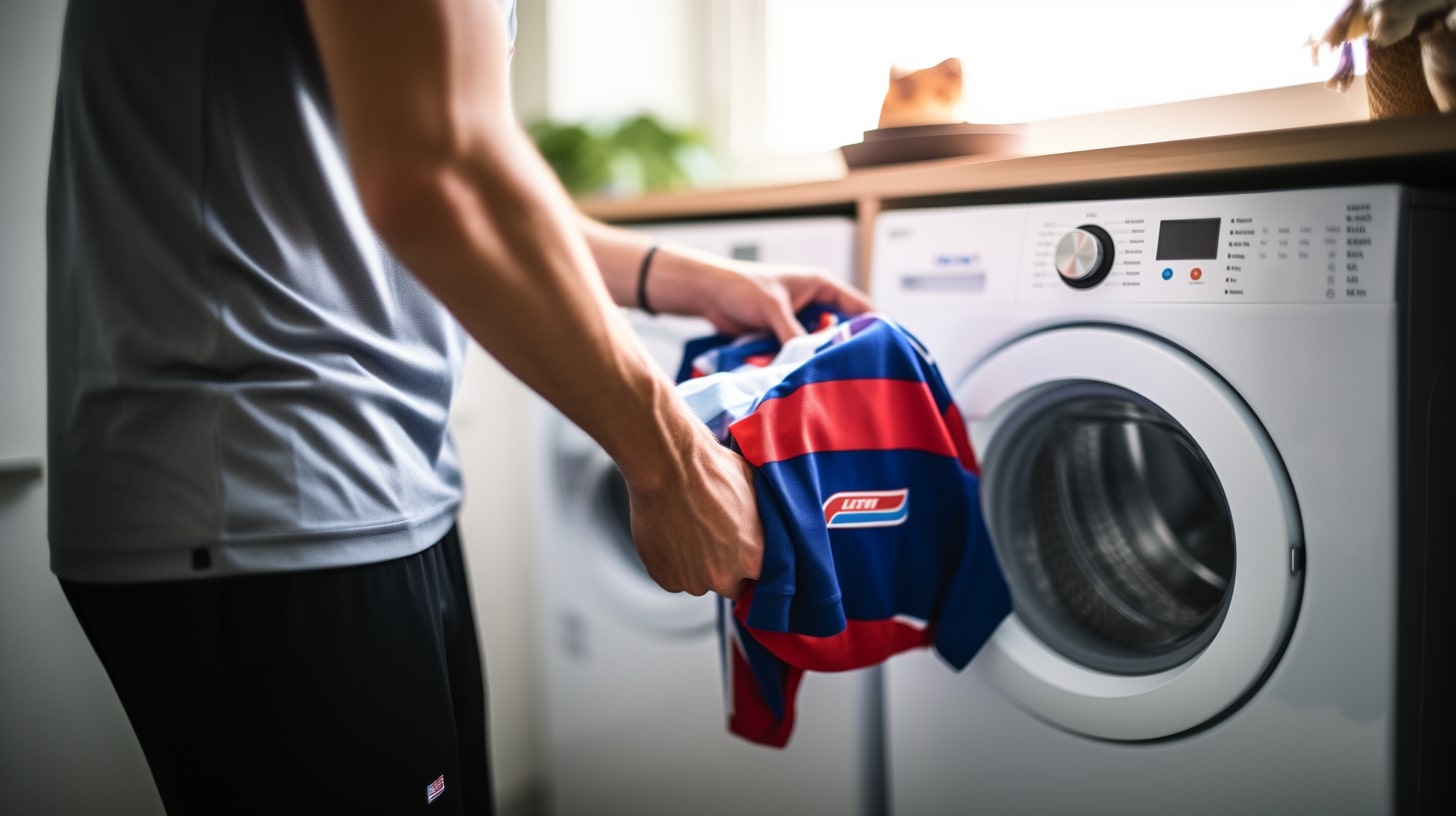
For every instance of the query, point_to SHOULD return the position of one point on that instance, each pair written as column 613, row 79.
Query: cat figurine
column 925, row 97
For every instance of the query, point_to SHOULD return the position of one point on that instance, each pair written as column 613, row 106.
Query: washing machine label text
column 956, row 260
column 867, row 508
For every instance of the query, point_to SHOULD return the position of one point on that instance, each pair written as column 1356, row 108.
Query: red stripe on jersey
column 752, row 718
column 844, row 415
column 862, row 643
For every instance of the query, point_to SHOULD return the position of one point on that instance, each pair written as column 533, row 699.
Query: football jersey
column 874, row 542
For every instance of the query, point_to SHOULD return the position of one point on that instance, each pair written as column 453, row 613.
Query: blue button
column 1168, row 274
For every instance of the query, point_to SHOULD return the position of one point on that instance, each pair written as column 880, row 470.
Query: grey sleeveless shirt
column 241, row 378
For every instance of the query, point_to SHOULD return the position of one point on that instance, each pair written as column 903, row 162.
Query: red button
column 1196, row 273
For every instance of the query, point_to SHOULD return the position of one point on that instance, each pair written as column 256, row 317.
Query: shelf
column 1404, row 149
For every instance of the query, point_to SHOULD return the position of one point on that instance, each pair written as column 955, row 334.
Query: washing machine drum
column 1146, row 527
column 612, row 506
column 1114, row 529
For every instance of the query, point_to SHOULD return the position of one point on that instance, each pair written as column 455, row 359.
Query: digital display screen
column 1195, row 239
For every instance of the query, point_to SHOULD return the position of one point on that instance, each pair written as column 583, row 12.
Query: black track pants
column 353, row 690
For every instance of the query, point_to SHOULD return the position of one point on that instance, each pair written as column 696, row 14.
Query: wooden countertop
column 1416, row 150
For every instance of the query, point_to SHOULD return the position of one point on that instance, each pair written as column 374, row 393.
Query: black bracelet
column 642, row 281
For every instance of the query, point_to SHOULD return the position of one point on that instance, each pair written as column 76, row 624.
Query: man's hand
column 694, row 515
column 741, row 296
column 738, row 297
column 697, row 529
column 706, row 534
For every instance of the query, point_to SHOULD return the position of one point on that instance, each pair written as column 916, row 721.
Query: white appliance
column 1207, row 429
column 634, row 697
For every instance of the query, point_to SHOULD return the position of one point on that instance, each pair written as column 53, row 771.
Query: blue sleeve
column 976, row 597
column 799, row 590
column 774, row 591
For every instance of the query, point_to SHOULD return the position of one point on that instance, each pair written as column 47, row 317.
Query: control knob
column 1084, row 256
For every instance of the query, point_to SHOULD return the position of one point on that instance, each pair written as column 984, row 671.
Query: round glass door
column 1145, row 525
column 1112, row 528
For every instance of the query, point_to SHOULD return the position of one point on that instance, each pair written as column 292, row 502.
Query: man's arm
column 455, row 188
column 736, row 296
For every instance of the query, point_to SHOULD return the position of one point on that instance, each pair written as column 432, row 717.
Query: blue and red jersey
column 868, row 493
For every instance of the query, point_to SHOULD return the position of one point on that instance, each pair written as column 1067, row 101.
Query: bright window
column 825, row 63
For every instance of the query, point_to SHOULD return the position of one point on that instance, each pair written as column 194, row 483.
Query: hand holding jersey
column 853, row 420
column 740, row 297
column 674, row 530
column 694, row 516
column 714, row 498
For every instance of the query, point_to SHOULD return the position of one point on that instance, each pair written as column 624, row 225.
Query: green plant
column 635, row 155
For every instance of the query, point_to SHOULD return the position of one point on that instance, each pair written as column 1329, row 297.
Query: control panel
column 1329, row 245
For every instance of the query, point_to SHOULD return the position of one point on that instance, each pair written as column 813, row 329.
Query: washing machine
column 634, row 700
column 1211, row 432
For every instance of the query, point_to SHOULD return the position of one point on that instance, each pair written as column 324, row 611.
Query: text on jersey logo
column 867, row 508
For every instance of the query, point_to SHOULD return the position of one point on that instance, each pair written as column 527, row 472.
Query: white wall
column 616, row 59
column 490, row 424
column 65, row 745
column 1273, row 109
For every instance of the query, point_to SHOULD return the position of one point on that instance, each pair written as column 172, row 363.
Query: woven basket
column 1395, row 80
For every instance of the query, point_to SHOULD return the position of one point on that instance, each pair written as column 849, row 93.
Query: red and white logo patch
column 867, row 508
column 434, row 789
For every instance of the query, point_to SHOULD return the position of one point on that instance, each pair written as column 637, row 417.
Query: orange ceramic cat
column 924, row 97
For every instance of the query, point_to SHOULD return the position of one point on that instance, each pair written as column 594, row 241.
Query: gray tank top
column 241, row 377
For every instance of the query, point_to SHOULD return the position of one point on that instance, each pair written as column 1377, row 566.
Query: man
column 257, row 210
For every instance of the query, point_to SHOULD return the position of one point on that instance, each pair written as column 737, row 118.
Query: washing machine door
column 592, row 494
column 1146, row 527
column 594, row 539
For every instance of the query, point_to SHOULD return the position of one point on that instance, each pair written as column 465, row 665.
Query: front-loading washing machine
column 634, row 701
column 1210, row 429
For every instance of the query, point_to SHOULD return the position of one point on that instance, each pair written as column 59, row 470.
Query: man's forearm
column 519, row 275
column 679, row 280
column 618, row 254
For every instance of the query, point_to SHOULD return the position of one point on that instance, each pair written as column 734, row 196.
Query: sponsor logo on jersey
column 434, row 789
column 867, row 508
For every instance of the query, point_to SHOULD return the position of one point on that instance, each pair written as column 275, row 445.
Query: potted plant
column 637, row 155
